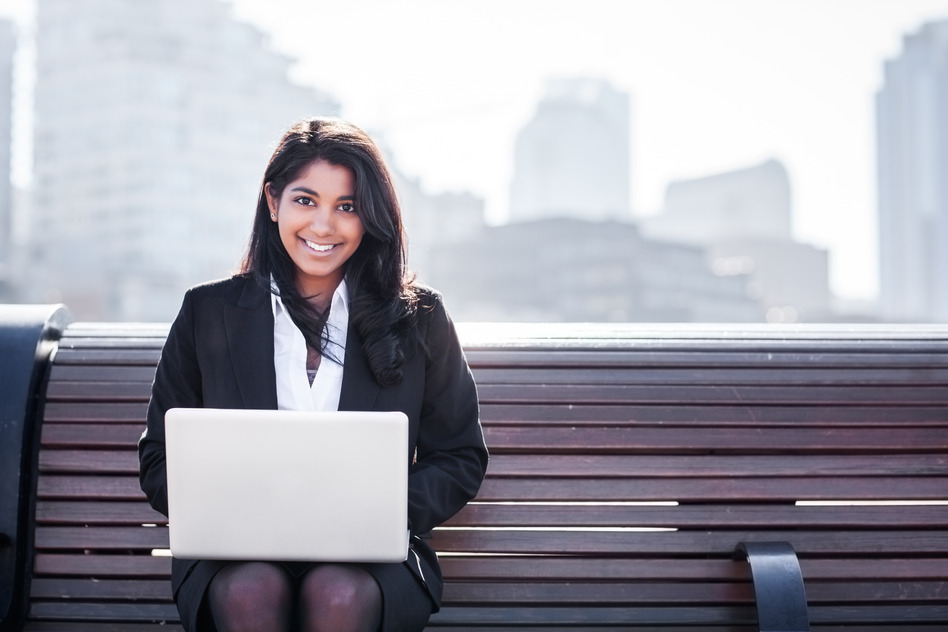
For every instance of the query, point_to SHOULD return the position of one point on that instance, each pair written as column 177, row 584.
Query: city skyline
column 688, row 63
column 714, row 86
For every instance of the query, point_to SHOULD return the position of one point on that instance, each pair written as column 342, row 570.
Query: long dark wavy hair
column 383, row 298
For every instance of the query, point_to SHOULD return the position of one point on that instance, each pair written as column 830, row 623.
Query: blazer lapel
column 359, row 388
column 249, row 329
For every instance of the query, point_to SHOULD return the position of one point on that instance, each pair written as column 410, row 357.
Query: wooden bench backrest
column 627, row 464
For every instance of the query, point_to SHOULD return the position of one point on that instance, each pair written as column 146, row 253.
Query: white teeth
column 317, row 247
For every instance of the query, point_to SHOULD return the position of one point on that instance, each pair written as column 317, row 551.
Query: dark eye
column 347, row 207
column 304, row 201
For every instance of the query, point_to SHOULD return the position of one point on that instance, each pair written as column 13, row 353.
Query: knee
column 250, row 591
column 340, row 593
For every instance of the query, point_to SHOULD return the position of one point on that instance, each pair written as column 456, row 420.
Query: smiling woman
column 323, row 294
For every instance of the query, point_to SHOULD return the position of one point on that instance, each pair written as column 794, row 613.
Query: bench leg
column 778, row 586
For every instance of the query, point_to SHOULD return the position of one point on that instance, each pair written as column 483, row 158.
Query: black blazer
column 219, row 354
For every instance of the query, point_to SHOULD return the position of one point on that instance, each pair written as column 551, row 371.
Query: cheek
column 356, row 228
column 285, row 232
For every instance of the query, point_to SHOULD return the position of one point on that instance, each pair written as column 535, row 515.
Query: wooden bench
column 628, row 463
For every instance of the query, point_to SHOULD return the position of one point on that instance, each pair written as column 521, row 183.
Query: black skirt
column 406, row 603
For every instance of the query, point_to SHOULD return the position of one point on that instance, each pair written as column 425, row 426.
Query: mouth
column 318, row 247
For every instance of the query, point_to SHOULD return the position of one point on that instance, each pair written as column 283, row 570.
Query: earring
column 273, row 217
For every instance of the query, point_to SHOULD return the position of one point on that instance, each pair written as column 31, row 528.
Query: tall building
column 153, row 124
column 742, row 219
column 572, row 158
column 7, row 52
column 912, row 127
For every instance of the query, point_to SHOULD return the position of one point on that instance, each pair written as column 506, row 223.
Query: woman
column 323, row 317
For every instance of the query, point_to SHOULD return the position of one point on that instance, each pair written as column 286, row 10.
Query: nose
column 321, row 221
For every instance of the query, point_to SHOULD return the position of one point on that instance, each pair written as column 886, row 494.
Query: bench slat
column 654, row 389
column 905, row 614
column 546, row 592
column 89, row 487
column 684, row 543
column 99, row 626
column 716, row 355
column 98, row 391
column 705, row 490
column 102, row 589
column 776, row 490
column 490, row 515
column 96, row 565
column 97, row 461
column 883, row 618
column 748, row 376
column 97, row 513
column 90, row 435
column 615, row 617
column 100, row 538
column 632, row 439
column 93, row 377
column 579, row 414
column 89, row 461
column 124, row 412
column 110, row 356
column 683, row 414
column 130, row 612
column 99, row 373
column 558, row 568
column 631, row 593
column 701, row 516
column 876, row 591
column 531, row 594
column 645, row 465
column 537, row 541
column 673, row 395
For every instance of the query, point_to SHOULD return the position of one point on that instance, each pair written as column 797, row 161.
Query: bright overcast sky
column 714, row 84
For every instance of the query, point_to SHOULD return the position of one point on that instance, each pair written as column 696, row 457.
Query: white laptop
column 287, row 485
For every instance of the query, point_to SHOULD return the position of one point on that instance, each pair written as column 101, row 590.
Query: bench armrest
column 778, row 586
column 27, row 337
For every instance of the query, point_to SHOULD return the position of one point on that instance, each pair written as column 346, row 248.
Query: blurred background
column 557, row 160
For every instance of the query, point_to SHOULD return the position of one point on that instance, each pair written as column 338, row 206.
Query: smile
column 319, row 247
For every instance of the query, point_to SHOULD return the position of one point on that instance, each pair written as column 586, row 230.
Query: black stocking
column 339, row 598
column 251, row 596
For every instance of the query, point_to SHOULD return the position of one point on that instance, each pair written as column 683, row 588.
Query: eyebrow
column 316, row 195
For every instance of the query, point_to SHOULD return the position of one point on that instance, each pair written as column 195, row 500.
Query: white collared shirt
column 294, row 391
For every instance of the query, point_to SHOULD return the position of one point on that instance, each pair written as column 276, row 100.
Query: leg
column 339, row 598
column 251, row 596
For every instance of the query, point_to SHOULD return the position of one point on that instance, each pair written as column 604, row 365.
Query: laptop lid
column 287, row 485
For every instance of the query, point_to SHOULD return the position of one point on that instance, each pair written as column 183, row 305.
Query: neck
column 318, row 294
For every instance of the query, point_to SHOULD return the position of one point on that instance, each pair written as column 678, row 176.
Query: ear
column 272, row 201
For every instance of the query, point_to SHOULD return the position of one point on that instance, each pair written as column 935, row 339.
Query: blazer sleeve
column 451, row 453
column 177, row 384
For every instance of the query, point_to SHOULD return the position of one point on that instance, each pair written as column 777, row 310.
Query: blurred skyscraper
column 7, row 51
column 572, row 158
column 743, row 220
column 564, row 269
column 570, row 251
column 153, row 124
column 912, row 111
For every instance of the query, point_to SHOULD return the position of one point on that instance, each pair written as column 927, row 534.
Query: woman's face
column 318, row 225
